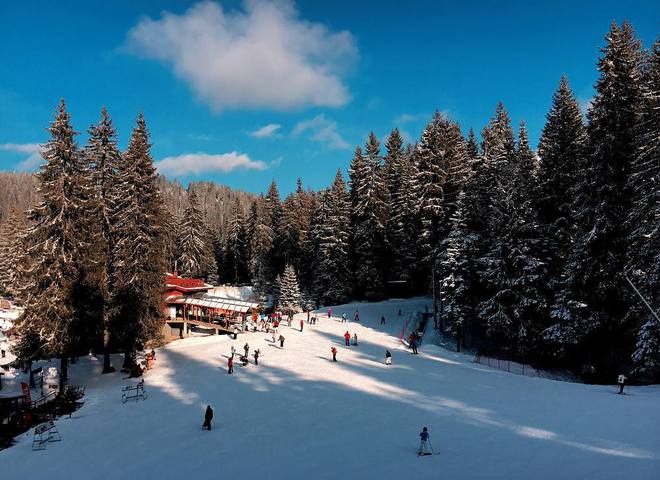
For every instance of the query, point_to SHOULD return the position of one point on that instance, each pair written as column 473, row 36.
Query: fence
column 507, row 365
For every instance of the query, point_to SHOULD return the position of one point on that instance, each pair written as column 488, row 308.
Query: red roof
column 175, row 282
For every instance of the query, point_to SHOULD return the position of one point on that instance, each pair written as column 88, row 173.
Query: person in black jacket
column 208, row 416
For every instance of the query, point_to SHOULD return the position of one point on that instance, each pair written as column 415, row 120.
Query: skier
column 388, row 357
column 382, row 320
column 256, row 357
column 246, row 349
column 347, row 337
column 281, row 341
column 274, row 333
column 309, row 314
column 244, row 360
column 301, row 325
column 334, row 354
column 355, row 339
column 413, row 345
column 399, row 312
column 233, row 351
column 621, row 381
column 357, row 315
column 329, row 312
column 230, row 365
column 343, row 317
column 208, row 416
column 424, row 438
column 235, row 333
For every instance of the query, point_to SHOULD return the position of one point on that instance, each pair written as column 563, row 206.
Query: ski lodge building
column 190, row 303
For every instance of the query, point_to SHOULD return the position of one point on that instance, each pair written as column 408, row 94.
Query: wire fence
column 507, row 365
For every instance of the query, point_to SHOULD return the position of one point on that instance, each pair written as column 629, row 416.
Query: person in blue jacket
column 424, row 439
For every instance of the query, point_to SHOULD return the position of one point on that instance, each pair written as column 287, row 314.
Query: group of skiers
column 347, row 337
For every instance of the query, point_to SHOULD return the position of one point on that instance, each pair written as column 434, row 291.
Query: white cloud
column 265, row 56
column 409, row 117
column 196, row 163
column 322, row 130
column 265, row 131
column 33, row 151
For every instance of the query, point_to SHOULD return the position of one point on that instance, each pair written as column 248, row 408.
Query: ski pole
column 431, row 446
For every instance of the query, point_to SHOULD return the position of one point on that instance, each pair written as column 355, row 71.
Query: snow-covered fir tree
column 262, row 241
column 401, row 223
column 561, row 173
column 288, row 291
column 331, row 239
column 367, row 226
column 138, row 263
column 195, row 258
column 442, row 167
column 236, row 253
column 10, row 233
column 598, row 297
column 102, row 155
column 643, row 263
column 457, row 266
column 52, row 247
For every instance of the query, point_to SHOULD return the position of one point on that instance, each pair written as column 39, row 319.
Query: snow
column 299, row 416
column 232, row 292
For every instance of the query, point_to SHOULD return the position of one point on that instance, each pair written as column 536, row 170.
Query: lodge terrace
column 189, row 302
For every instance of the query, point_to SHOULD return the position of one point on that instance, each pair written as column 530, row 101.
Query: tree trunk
column 29, row 365
column 64, row 374
column 107, row 368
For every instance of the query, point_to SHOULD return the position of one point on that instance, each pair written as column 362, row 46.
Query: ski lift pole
column 632, row 285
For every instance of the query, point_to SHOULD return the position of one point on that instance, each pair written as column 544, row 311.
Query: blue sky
column 244, row 92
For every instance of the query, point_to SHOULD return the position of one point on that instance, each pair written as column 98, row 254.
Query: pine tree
column 261, row 245
column 401, row 224
column 598, row 298
column 195, row 258
column 52, row 245
column 273, row 211
column 442, row 167
column 102, row 155
column 367, row 226
column 643, row 261
column 237, row 246
column 288, row 299
column 10, row 233
column 457, row 266
column 138, row 263
column 331, row 245
column 562, row 197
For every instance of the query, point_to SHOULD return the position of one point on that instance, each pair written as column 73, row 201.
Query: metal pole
column 435, row 305
column 636, row 291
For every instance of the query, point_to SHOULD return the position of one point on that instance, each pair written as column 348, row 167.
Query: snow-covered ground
column 299, row 416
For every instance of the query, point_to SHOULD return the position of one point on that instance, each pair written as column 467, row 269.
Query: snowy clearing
column 299, row 416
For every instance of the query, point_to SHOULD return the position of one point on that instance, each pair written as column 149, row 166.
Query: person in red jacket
column 347, row 337
column 301, row 324
column 334, row 354
column 230, row 365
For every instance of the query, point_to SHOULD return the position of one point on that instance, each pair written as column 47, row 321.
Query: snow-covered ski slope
column 299, row 416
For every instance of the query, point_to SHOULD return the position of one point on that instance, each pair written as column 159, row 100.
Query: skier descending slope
column 388, row 357
column 334, row 354
column 208, row 416
column 424, row 443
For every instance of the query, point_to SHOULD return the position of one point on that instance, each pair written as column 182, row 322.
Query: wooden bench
column 43, row 434
column 130, row 392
